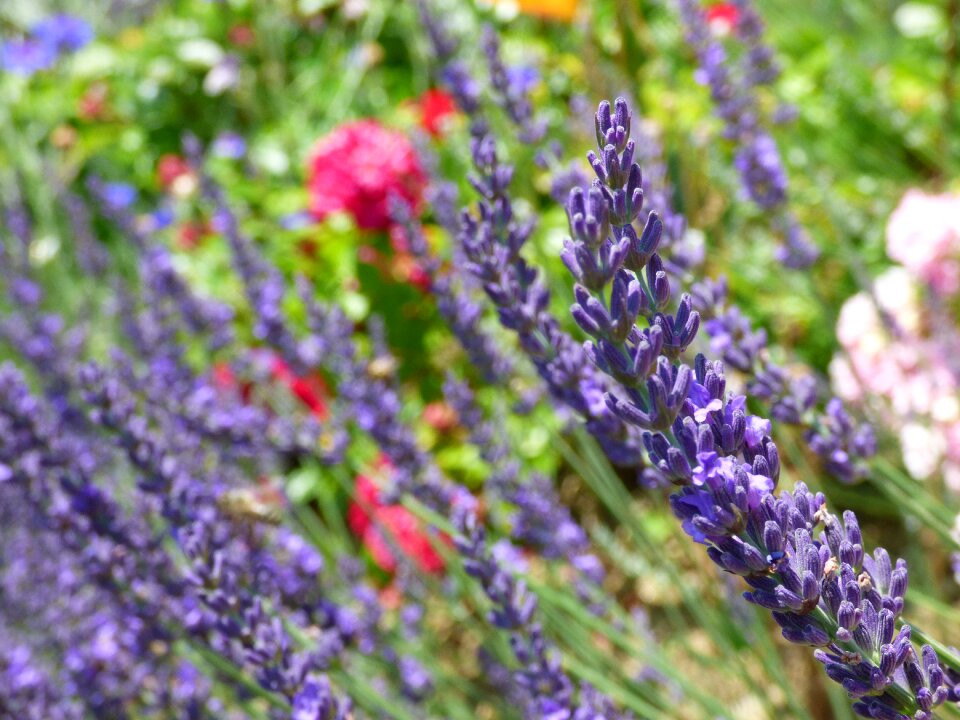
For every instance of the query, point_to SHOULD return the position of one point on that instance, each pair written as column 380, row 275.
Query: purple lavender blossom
column 756, row 157
column 296, row 220
column 229, row 145
column 264, row 285
column 539, row 519
column 759, row 64
column 566, row 180
column 316, row 701
column 492, row 241
column 28, row 691
column 91, row 255
column 454, row 73
column 823, row 590
column 415, row 681
column 843, row 445
column 119, row 196
column 514, row 608
column 512, row 86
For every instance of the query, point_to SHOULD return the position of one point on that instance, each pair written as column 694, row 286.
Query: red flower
column 169, row 168
column 436, row 109
column 309, row 390
column 405, row 268
column 440, row 416
column 722, row 18
column 356, row 169
column 190, row 234
column 241, row 36
column 93, row 104
column 367, row 501
column 382, row 528
column 419, row 278
column 405, row 532
column 223, row 377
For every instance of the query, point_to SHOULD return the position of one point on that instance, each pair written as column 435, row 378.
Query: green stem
column 899, row 494
column 617, row 636
column 910, row 487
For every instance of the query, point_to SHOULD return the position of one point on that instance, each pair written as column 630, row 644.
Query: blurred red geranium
column 309, row 390
column 436, row 109
column 241, row 35
column 383, row 527
column 357, row 167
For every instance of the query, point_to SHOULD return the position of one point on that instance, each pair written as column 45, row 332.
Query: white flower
column 922, row 449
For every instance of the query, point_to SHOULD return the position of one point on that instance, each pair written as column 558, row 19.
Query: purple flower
column 316, row 701
column 512, row 86
column 757, row 429
column 733, row 91
column 460, row 312
column 415, row 681
column 698, row 434
column 523, row 78
column 162, row 217
column 119, row 196
column 509, row 557
column 63, row 33
column 229, row 145
column 297, row 220
column 26, row 57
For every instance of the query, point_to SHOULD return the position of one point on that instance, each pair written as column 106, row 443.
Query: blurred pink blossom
column 357, row 167
column 923, row 234
column 907, row 368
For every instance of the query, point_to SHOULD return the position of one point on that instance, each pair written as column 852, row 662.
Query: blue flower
column 296, row 220
column 229, row 145
column 63, row 33
column 523, row 78
column 48, row 39
column 26, row 57
column 119, row 195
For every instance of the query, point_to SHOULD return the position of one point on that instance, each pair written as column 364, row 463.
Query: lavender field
column 479, row 359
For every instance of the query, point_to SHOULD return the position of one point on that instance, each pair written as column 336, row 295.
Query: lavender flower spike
column 492, row 240
column 756, row 157
column 805, row 564
column 843, row 446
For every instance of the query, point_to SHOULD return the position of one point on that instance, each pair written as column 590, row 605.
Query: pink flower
column 923, row 234
column 909, row 369
column 357, row 167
